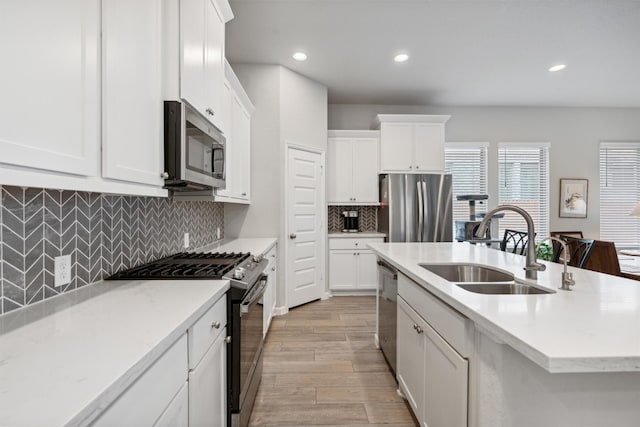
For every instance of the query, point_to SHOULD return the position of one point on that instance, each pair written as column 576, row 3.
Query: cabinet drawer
column 145, row 401
column 450, row 324
column 355, row 243
column 204, row 332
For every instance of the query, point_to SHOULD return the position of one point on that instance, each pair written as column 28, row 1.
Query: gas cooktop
column 185, row 265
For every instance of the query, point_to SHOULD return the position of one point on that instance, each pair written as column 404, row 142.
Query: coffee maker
column 350, row 221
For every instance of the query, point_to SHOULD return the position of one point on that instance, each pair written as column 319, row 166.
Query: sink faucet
column 567, row 278
column 532, row 266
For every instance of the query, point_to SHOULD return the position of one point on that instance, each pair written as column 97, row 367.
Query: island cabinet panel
column 432, row 375
column 177, row 414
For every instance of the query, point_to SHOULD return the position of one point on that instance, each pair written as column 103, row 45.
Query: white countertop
column 64, row 359
column 341, row 234
column 255, row 246
column 593, row 328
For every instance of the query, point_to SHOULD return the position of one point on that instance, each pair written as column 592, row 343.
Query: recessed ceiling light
column 401, row 57
column 557, row 68
column 300, row 56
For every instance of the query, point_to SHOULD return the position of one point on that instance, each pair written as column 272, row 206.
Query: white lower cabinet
column 186, row 386
column 207, row 387
column 177, row 413
column 432, row 375
column 352, row 266
column 269, row 299
column 147, row 399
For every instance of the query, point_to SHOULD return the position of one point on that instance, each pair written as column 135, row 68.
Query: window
column 467, row 163
column 523, row 180
column 619, row 192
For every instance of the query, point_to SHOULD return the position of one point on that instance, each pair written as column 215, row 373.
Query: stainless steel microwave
column 194, row 150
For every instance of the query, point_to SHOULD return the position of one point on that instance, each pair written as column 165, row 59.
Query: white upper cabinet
column 352, row 168
column 132, row 105
column 202, row 55
column 411, row 143
column 236, row 114
column 50, row 116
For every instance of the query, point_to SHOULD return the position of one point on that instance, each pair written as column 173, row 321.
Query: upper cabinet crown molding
column 411, row 118
column 353, row 133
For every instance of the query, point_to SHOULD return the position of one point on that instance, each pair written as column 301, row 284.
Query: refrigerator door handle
column 420, row 212
column 425, row 233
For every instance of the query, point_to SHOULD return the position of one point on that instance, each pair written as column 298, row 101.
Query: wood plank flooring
column 321, row 367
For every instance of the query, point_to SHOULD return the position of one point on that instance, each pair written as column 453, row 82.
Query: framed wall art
column 574, row 199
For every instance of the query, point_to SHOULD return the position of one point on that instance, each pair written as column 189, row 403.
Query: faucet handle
column 535, row 266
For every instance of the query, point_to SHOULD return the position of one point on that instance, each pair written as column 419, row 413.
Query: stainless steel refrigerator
column 416, row 208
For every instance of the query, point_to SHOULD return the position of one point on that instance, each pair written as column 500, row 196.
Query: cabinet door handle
column 216, row 325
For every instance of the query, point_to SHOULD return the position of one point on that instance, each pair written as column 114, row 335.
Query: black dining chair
column 514, row 241
column 578, row 251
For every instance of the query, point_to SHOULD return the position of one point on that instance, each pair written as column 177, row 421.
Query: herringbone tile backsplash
column 102, row 233
column 368, row 217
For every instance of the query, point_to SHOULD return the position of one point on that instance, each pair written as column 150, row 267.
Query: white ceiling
column 463, row 52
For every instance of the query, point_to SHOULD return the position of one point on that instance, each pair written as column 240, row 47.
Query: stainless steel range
column 244, row 315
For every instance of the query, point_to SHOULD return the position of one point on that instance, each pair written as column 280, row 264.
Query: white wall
column 574, row 134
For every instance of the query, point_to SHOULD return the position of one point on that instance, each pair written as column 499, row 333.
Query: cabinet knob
column 244, row 194
column 410, row 167
column 292, row 236
column 164, row 175
column 216, row 325
column 210, row 111
column 419, row 330
column 417, row 167
column 273, row 269
column 227, row 339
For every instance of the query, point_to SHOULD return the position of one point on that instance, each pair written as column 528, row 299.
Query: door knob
column 292, row 236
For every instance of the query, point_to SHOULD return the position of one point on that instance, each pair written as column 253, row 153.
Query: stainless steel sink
column 502, row 288
column 468, row 273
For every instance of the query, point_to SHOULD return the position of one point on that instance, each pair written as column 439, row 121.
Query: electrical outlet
column 62, row 270
column 186, row 240
column 217, row 233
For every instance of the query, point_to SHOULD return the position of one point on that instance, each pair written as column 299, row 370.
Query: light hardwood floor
column 321, row 367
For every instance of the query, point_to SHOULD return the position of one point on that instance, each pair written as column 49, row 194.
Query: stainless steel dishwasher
column 387, row 311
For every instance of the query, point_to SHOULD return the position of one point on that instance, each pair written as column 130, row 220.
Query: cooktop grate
column 185, row 265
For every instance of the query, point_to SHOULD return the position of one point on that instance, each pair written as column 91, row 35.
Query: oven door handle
column 254, row 296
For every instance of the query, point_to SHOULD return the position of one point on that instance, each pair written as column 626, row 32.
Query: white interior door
column 305, row 237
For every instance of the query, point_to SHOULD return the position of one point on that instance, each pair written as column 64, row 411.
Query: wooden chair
column 555, row 245
column 604, row 259
column 515, row 241
column 579, row 251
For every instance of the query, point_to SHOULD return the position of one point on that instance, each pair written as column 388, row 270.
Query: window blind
column 619, row 192
column 467, row 163
column 523, row 180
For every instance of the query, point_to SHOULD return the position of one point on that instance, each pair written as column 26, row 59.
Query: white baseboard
column 326, row 295
column 371, row 293
column 279, row 311
column 376, row 341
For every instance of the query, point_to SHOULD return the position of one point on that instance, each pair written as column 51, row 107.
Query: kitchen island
column 566, row 358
